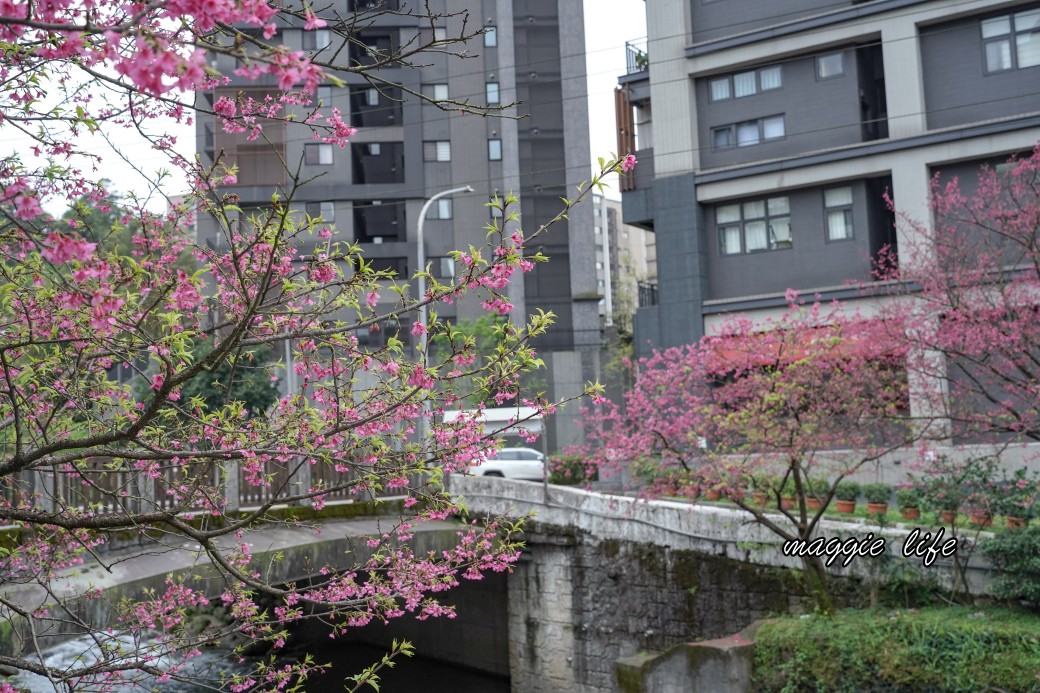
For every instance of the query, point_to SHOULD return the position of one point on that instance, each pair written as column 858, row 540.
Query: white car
column 512, row 463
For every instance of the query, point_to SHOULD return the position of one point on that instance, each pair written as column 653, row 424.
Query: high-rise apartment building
column 768, row 134
column 406, row 150
column 626, row 262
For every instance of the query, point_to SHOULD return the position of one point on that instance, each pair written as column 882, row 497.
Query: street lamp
column 423, row 338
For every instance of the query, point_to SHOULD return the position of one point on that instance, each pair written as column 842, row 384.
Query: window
column 492, row 93
column 374, row 149
column 830, row 65
column 1012, row 41
column 325, row 210
column 490, row 37
column 438, row 92
column 495, row 150
column 496, row 212
column 720, row 90
column 441, row 209
column 317, row 154
column 599, row 265
column 317, row 39
column 751, row 227
column 437, row 151
column 372, row 97
column 442, row 267
column 747, row 83
column 838, row 205
column 324, row 95
column 748, row 133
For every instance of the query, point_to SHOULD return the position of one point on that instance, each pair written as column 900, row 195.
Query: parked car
column 512, row 463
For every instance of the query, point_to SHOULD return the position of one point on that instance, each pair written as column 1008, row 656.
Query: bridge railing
column 107, row 485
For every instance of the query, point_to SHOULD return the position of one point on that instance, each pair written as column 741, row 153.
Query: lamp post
column 423, row 338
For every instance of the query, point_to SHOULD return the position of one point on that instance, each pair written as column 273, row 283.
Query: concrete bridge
column 604, row 579
column 609, row 579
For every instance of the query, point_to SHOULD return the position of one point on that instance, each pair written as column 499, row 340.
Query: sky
column 608, row 25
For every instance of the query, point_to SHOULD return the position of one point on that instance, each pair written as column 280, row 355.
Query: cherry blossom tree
column 764, row 411
column 87, row 456
column 972, row 328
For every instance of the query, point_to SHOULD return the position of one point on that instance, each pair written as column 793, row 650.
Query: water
column 408, row 674
column 206, row 668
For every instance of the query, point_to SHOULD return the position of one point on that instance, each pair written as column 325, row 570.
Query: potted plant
column 846, row 492
column 815, row 492
column 760, row 491
column 1016, row 500
column 944, row 496
column 877, row 498
column 909, row 499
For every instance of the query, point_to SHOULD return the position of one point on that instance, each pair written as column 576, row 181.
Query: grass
column 938, row 650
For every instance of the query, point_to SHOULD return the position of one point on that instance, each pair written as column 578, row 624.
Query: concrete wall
column 818, row 113
column 681, row 262
column 956, row 87
column 812, row 260
column 715, row 18
column 610, row 577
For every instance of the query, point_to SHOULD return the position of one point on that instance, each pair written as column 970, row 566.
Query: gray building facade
column 406, row 150
column 769, row 135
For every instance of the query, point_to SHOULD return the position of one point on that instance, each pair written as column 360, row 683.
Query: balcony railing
column 647, row 294
column 636, row 57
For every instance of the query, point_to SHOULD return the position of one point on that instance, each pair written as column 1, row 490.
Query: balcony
column 636, row 57
column 647, row 293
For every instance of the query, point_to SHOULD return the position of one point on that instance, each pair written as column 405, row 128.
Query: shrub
column 909, row 496
column 877, row 493
column 944, row 493
column 938, row 650
column 847, row 491
column 571, row 469
column 1017, row 556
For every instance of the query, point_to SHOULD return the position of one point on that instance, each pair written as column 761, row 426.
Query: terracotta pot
column 847, row 507
column 1015, row 522
column 877, row 508
column 787, row 502
column 948, row 516
column 759, row 498
column 712, row 494
column 982, row 519
column 813, row 503
column 737, row 494
column 910, row 513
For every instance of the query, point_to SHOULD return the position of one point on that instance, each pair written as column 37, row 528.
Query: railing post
column 232, row 492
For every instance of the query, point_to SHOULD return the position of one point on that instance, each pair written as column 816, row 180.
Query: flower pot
column 910, row 513
column 813, row 503
column 712, row 494
column 737, row 494
column 982, row 519
column 759, row 498
column 787, row 502
column 1015, row 522
column 948, row 516
column 878, row 509
column 847, row 507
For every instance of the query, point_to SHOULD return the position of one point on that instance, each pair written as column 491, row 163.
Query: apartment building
column 407, row 150
column 626, row 263
column 768, row 134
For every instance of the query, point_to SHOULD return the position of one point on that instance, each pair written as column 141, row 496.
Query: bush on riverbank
column 942, row 649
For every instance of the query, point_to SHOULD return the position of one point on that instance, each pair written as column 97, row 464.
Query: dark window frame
column 1010, row 37
column 734, row 128
column 731, row 83
column 772, row 244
